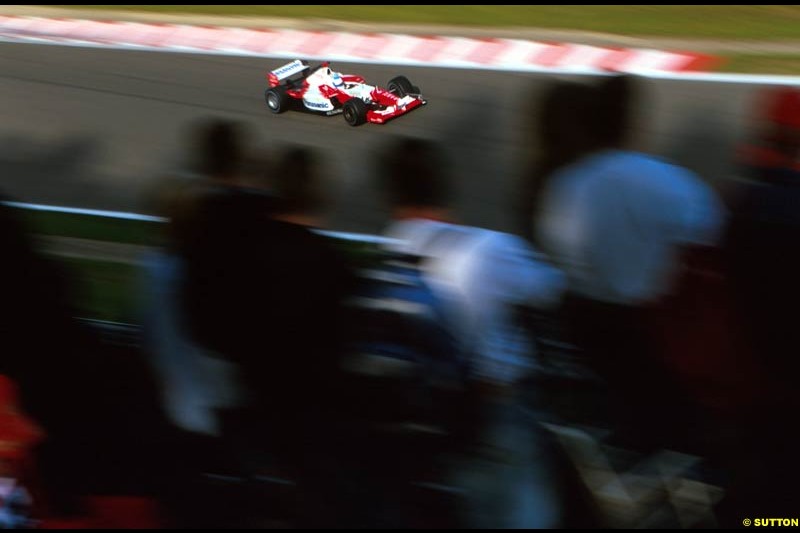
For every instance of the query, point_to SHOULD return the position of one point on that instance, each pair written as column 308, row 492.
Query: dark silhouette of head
column 220, row 148
column 561, row 126
column 412, row 173
column 561, row 122
column 610, row 119
column 296, row 182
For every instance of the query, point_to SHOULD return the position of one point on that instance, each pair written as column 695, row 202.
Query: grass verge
column 770, row 22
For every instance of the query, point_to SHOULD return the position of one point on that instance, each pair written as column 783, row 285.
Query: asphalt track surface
column 97, row 128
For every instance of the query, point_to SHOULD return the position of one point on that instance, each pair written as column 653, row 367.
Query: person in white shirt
column 481, row 276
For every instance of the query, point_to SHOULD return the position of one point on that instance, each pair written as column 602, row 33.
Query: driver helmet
column 338, row 82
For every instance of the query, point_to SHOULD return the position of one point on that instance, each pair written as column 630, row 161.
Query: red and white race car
column 332, row 93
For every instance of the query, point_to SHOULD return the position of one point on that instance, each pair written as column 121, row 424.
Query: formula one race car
column 331, row 93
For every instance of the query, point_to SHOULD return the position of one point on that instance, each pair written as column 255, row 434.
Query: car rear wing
column 288, row 70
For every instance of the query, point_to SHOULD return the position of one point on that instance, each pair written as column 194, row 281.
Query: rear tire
column 355, row 111
column 400, row 86
column 277, row 100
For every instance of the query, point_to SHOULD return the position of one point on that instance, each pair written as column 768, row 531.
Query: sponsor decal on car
column 317, row 105
column 287, row 70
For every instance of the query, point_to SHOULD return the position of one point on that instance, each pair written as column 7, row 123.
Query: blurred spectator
column 264, row 290
column 44, row 353
column 616, row 220
column 773, row 150
column 223, row 223
column 194, row 383
column 18, row 436
column 764, row 260
column 763, row 228
column 215, row 217
column 79, row 392
column 483, row 274
column 482, row 277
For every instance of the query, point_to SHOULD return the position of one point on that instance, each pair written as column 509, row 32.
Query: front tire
column 400, row 86
column 355, row 111
column 277, row 100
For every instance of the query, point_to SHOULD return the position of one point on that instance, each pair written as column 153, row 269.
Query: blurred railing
column 122, row 215
column 557, row 359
